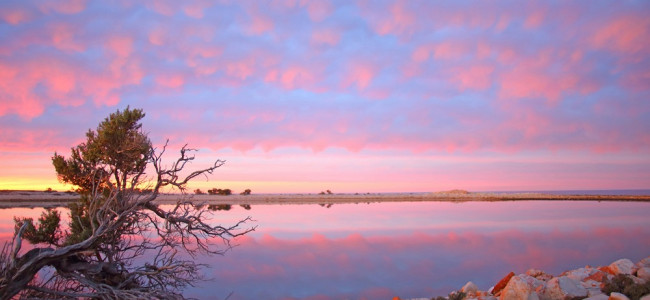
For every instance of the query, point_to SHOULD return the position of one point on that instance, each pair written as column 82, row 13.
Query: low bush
column 625, row 285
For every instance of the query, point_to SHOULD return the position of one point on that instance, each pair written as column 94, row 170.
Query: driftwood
column 125, row 224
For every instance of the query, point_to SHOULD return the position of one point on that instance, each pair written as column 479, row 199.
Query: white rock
column 623, row 266
column 646, row 297
column 518, row 288
column 580, row 274
column 563, row 287
column 598, row 297
column 618, row 296
column 592, row 286
column 643, row 273
column 469, row 288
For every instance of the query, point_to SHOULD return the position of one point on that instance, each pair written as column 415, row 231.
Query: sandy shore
column 9, row 199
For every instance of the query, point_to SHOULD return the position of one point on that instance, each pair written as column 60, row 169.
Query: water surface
column 412, row 249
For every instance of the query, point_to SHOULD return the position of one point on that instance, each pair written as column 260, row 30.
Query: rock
column 533, row 282
column 644, row 262
column 564, row 288
column 646, row 297
column 622, row 266
column 618, row 296
column 580, row 274
column 502, row 283
column 598, row 276
column 643, row 273
column 598, row 297
column 469, row 288
column 592, row 287
column 518, row 288
column 541, row 275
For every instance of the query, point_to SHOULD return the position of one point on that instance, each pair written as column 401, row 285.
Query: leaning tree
column 119, row 243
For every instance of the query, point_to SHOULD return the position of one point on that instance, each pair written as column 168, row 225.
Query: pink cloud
column 626, row 34
column 241, row 69
column 15, row 16
column 259, row 22
column 120, row 45
column 534, row 19
column 163, row 7
column 170, row 81
column 326, row 36
column 400, row 20
column 449, row 50
column 195, row 9
column 157, row 36
column 360, row 74
column 318, row 10
column 63, row 37
column 476, row 77
column 297, row 76
column 65, row 6
column 638, row 79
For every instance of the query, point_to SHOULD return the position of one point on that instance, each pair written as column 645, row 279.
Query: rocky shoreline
column 621, row 280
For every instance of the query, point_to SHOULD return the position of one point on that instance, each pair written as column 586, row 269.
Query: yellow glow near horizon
column 32, row 183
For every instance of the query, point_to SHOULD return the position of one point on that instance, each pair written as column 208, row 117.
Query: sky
column 351, row 96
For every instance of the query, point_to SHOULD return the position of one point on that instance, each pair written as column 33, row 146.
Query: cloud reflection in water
column 348, row 257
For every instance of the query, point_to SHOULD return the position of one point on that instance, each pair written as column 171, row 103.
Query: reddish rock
column 519, row 288
column 607, row 270
column 644, row 262
column 599, row 276
column 623, row 266
column 502, row 283
column 618, row 296
column 643, row 273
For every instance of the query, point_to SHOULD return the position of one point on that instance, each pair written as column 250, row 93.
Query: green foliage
column 625, row 285
column 80, row 227
column 47, row 230
column 116, row 150
column 111, row 155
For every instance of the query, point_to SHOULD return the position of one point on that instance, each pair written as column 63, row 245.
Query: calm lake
column 409, row 249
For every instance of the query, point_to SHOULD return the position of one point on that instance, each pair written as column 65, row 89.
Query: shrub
column 625, row 285
column 246, row 192
column 216, row 191
column 199, row 192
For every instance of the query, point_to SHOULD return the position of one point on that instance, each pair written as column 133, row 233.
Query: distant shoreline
column 12, row 199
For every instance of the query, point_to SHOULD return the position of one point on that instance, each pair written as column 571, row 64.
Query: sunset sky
column 351, row 96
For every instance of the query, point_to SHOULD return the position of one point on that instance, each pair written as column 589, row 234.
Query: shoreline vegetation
column 25, row 198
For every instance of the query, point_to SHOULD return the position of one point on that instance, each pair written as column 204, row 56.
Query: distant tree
column 246, row 192
column 225, row 207
column 113, row 223
column 223, row 192
column 199, row 192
